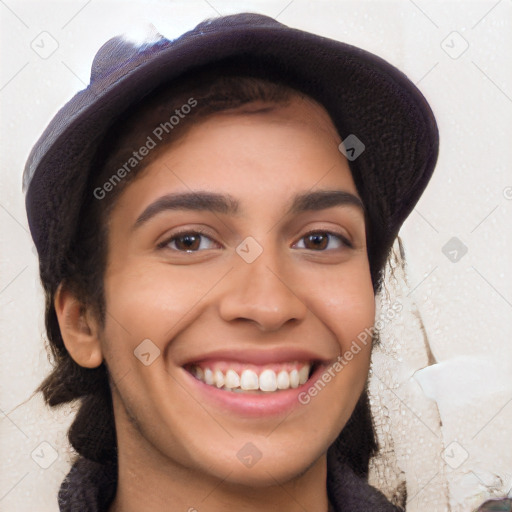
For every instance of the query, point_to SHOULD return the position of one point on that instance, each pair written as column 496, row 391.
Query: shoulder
column 89, row 487
column 349, row 492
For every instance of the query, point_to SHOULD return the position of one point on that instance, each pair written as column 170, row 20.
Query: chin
column 252, row 467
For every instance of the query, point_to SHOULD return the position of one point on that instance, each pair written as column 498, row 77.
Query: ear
column 78, row 328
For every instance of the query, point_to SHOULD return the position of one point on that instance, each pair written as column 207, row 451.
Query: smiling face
column 239, row 250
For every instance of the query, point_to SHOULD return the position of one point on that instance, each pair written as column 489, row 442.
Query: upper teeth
column 267, row 380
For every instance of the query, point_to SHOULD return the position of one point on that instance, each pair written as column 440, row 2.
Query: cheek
column 346, row 303
column 144, row 286
column 147, row 301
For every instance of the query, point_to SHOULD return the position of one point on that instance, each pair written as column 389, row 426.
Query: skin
column 174, row 446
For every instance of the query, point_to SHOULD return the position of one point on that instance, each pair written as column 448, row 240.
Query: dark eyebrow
column 208, row 201
column 323, row 199
column 228, row 205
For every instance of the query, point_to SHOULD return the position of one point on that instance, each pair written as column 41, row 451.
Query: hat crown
column 120, row 52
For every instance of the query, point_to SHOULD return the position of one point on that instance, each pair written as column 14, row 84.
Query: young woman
column 212, row 217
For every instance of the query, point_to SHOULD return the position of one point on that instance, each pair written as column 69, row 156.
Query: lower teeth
column 254, row 391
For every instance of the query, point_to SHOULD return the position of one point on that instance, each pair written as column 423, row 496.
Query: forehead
column 300, row 110
column 262, row 155
column 293, row 107
column 296, row 135
column 243, row 132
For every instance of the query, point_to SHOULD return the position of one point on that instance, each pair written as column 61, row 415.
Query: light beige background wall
column 444, row 373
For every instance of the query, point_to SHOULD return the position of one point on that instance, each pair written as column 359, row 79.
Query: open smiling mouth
column 253, row 379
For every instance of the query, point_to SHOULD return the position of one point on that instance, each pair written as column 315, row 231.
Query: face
column 238, row 257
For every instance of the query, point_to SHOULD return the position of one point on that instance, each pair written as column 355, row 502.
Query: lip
column 250, row 405
column 258, row 356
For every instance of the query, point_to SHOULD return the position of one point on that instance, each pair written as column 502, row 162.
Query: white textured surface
column 465, row 307
column 408, row 423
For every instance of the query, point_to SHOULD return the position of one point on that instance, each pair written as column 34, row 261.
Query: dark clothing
column 91, row 487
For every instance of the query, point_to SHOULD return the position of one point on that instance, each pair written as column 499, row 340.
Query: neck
column 149, row 489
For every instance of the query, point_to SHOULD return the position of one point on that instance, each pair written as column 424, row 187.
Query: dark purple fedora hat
column 390, row 133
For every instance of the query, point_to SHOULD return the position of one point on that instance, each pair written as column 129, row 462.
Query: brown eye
column 319, row 240
column 187, row 241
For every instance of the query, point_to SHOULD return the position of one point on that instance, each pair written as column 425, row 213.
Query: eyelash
column 164, row 245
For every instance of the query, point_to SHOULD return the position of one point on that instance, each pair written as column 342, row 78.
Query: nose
column 260, row 292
